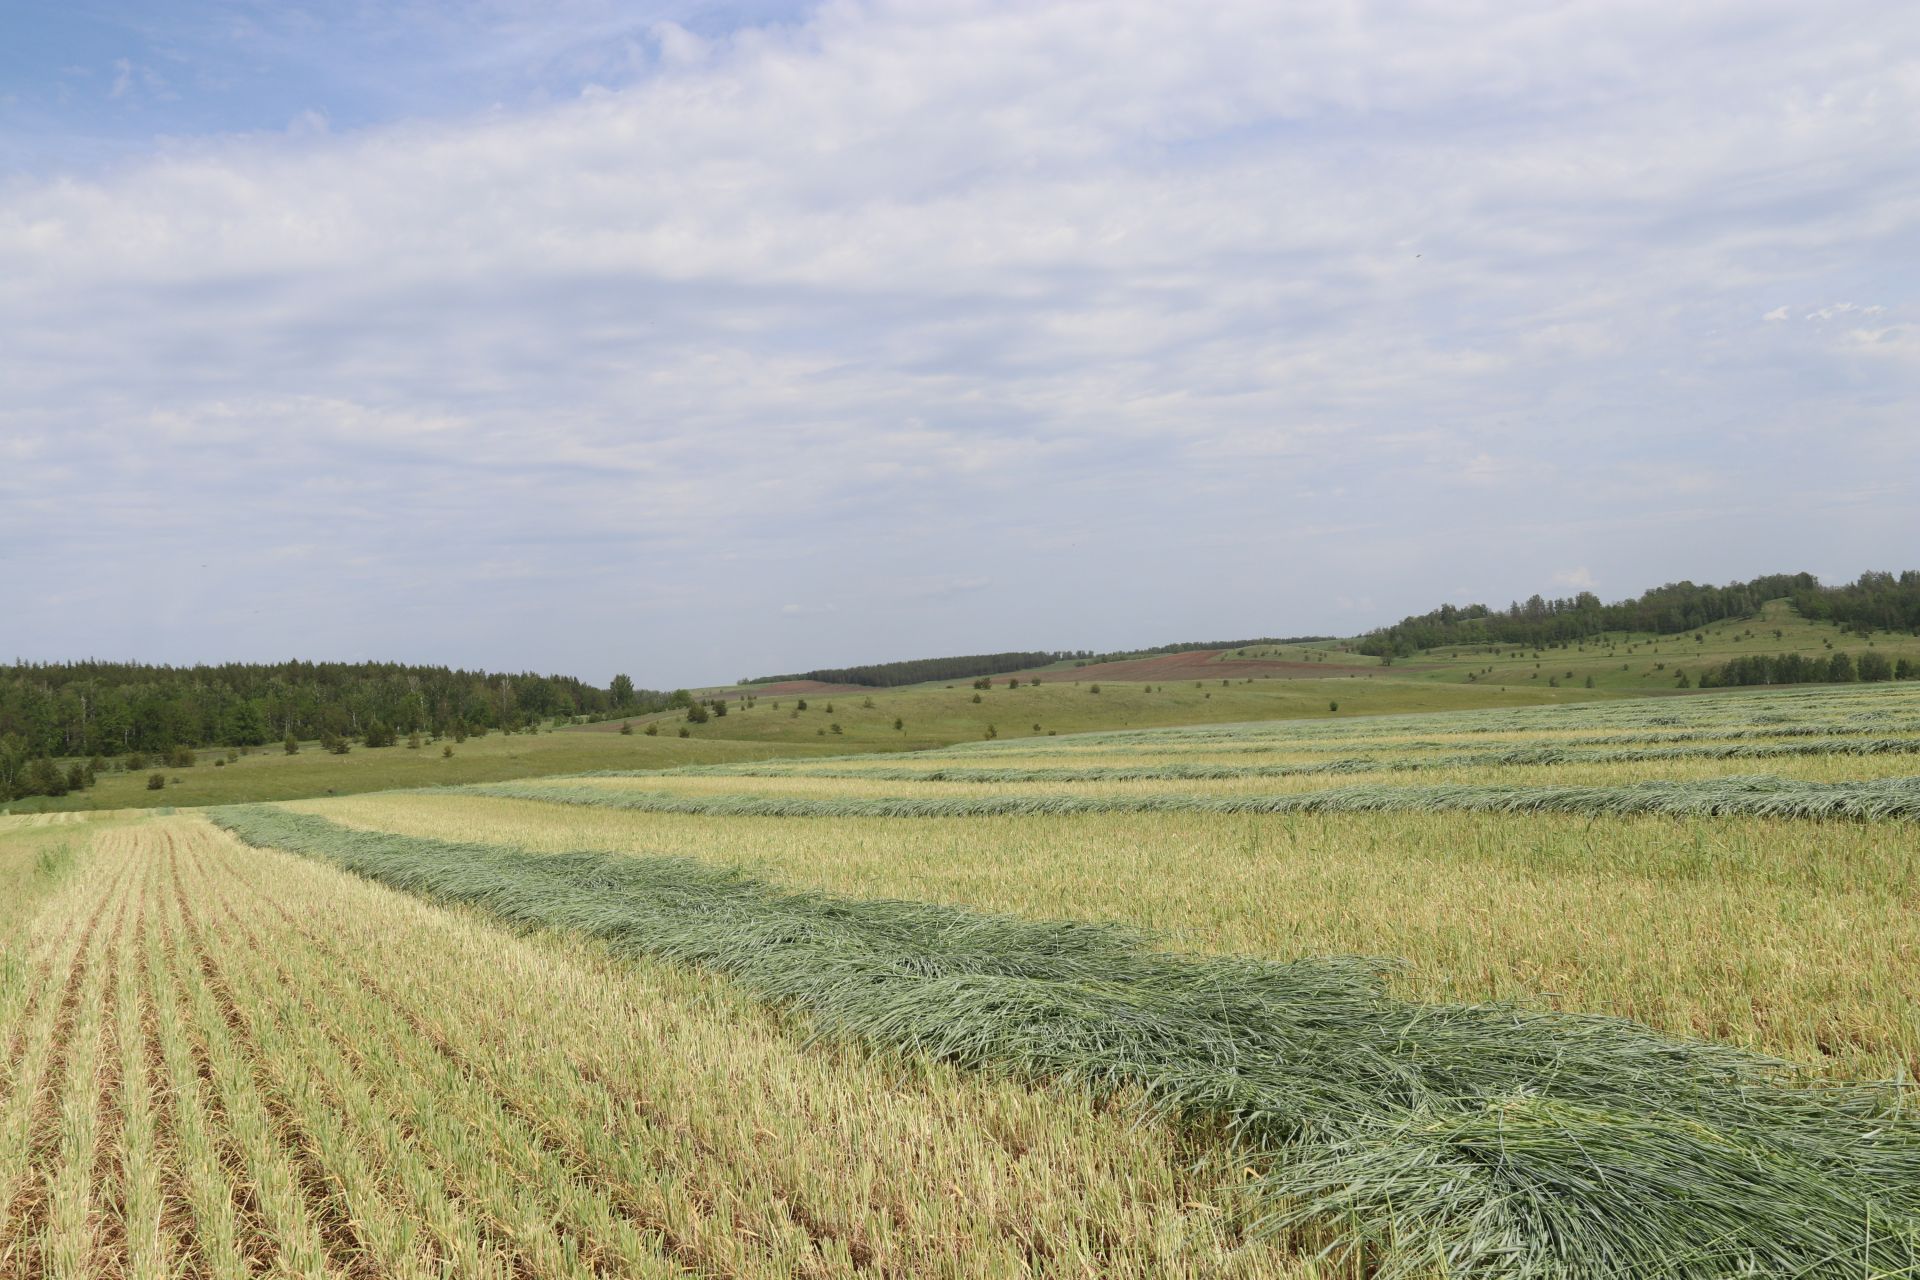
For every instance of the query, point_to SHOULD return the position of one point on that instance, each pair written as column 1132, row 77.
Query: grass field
column 268, row 773
column 1637, row 662
column 866, row 1014
column 939, row 715
column 1238, row 687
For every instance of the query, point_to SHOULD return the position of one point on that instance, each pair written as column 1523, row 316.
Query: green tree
column 621, row 691
column 697, row 713
column 626, row 729
column 1874, row 666
column 43, row 777
column 1840, row 669
column 13, row 762
column 413, row 740
column 156, row 781
column 653, row 731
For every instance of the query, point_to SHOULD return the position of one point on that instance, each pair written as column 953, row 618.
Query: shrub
column 180, row 757
column 898, row 723
column 1093, row 689
column 800, row 705
column 836, row 727
column 413, row 740
column 156, row 781
column 42, row 777
column 976, row 697
column 1333, row 706
column 697, row 713
column 653, row 731
column 136, row 761
column 446, row 752
column 626, row 730
column 685, row 732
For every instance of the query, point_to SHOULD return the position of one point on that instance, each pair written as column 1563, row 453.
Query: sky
column 706, row 340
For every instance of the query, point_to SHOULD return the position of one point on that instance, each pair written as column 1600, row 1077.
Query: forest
column 81, row 709
column 1876, row 601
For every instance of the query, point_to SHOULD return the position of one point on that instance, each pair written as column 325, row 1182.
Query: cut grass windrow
column 1549, row 753
column 1877, row 800
column 1485, row 1140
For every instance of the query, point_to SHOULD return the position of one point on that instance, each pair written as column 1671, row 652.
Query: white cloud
column 1580, row 579
column 987, row 293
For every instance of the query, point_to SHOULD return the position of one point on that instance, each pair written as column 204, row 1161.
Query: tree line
column 1876, row 600
column 86, row 709
column 1800, row 668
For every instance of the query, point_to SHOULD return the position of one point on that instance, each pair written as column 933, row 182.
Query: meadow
column 268, row 773
column 1620, row 988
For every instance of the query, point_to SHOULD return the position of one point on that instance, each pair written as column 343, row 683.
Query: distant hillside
column 109, row 708
column 888, row 675
column 1876, row 601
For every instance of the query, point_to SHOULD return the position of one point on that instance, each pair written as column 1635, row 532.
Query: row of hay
column 1887, row 799
column 1485, row 1140
column 1282, row 739
column 1545, row 754
column 1773, row 707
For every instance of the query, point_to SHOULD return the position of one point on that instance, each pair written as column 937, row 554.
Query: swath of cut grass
column 1878, row 800
column 1554, row 753
column 1485, row 1140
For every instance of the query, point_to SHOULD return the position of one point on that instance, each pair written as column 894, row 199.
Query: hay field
column 1620, row 989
